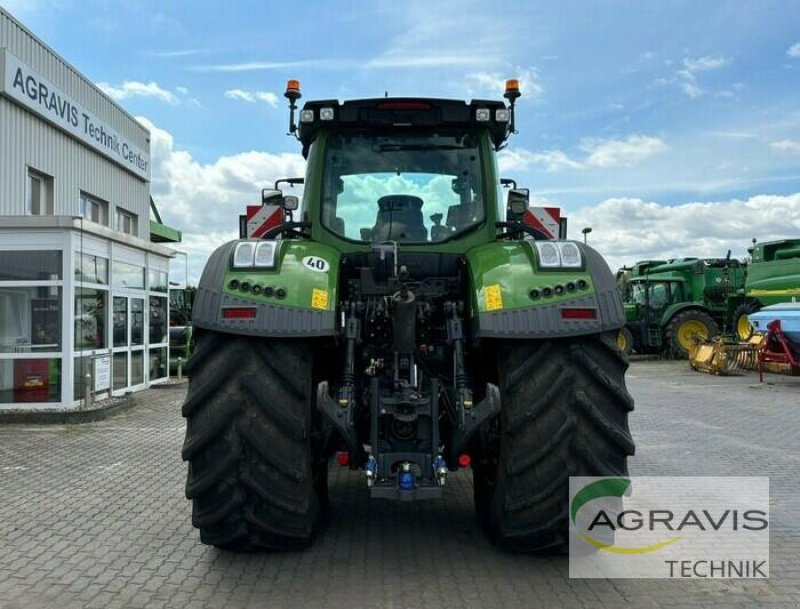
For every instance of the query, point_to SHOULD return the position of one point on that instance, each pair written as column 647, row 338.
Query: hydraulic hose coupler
column 371, row 470
column 440, row 470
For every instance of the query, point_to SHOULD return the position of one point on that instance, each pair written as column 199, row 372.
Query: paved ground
column 93, row 515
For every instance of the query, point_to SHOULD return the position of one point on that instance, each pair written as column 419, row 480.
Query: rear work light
column 483, row 114
column 558, row 254
column 239, row 313
column 255, row 254
column 579, row 313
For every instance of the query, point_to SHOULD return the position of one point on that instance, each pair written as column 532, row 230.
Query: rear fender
column 295, row 299
column 509, row 287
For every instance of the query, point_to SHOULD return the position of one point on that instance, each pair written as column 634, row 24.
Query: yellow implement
column 724, row 357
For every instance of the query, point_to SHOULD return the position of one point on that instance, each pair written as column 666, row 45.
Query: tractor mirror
column 290, row 202
column 517, row 203
column 366, row 234
column 270, row 196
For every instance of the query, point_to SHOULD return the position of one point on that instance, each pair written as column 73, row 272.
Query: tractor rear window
column 405, row 188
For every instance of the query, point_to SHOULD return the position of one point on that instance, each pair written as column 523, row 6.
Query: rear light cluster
column 257, row 289
column 558, row 289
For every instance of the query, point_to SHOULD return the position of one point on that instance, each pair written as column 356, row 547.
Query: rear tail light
column 239, row 313
column 578, row 313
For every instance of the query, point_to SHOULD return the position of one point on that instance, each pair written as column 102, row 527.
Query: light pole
column 585, row 232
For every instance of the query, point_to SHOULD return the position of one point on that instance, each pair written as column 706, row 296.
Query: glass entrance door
column 129, row 342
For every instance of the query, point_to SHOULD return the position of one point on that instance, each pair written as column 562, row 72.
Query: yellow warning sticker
column 493, row 297
column 319, row 299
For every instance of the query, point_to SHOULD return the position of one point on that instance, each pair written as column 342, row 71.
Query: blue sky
column 672, row 128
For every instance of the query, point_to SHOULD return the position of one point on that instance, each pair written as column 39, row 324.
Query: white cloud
column 602, row 153
column 257, row 66
column 629, row 229
column 133, row 88
column 204, row 200
column 794, row 50
column 252, row 97
column 790, row 146
column 686, row 77
column 520, row 159
column 177, row 53
column 448, row 33
column 703, row 64
column 431, row 60
column 493, row 84
column 621, row 153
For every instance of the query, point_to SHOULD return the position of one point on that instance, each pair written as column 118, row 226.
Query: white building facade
column 82, row 288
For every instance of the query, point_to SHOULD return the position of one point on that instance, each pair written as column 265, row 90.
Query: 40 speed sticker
column 315, row 263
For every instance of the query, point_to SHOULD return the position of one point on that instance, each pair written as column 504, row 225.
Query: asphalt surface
column 93, row 515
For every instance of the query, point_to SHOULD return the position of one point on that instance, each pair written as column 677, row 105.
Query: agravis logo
column 669, row 527
column 609, row 487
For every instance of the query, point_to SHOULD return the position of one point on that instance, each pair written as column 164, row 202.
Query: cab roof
column 402, row 114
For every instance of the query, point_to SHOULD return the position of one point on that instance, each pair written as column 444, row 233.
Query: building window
column 158, row 364
column 94, row 209
column 30, row 380
column 30, row 265
column 126, row 275
column 91, row 269
column 39, row 194
column 30, row 319
column 90, row 319
column 158, row 320
column 158, row 281
column 126, row 222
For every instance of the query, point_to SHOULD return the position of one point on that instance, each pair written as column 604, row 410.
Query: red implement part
column 777, row 350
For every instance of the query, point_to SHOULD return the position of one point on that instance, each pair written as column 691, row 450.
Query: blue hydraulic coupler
column 406, row 481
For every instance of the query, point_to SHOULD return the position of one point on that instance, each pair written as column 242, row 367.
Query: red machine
column 779, row 354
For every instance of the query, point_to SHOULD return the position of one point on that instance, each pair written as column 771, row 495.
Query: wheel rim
column 622, row 341
column 744, row 329
column 688, row 330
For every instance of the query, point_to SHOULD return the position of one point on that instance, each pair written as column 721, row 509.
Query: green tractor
column 773, row 276
column 670, row 304
column 408, row 323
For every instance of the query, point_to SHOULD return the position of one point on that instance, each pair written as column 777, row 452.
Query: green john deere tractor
column 773, row 276
column 409, row 323
column 670, row 304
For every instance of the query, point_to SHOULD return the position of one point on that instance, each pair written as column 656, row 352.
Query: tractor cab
column 409, row 171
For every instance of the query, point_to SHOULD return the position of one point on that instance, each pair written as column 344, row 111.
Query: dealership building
column 83, row 285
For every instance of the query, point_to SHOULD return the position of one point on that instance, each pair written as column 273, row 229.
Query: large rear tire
column 564, row 413
column 685, row 328
column 255, row 480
